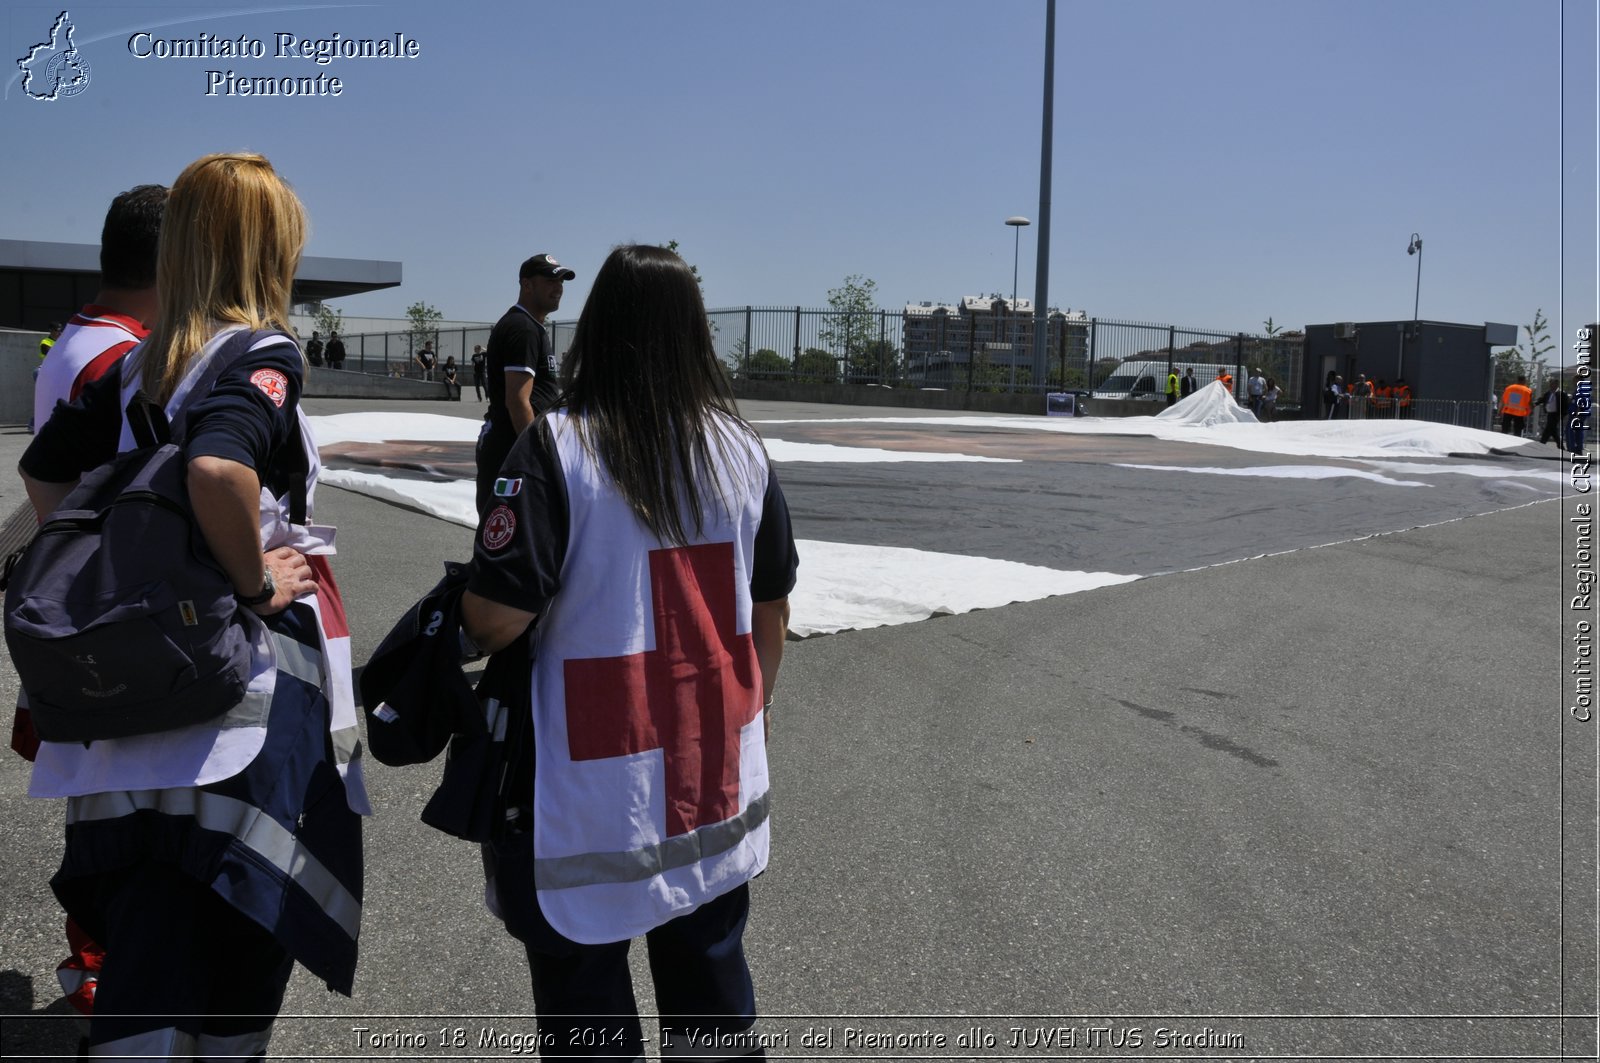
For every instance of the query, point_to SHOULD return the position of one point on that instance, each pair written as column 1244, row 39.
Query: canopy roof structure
column 42, row 283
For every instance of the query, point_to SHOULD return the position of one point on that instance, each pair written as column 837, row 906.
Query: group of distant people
column 1262, row 392
column 1566, row 416
column 426, row 361
column 1371, row 398
column 628, row 517
column 331, row 353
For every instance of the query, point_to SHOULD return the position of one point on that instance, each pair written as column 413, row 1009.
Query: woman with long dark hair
column 639, row 522
column 208, row 858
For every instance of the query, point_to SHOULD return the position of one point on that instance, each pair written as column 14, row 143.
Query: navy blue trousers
column 185, row 974
column 583, row 994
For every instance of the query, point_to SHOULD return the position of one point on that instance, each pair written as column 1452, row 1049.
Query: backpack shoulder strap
column 147, row 421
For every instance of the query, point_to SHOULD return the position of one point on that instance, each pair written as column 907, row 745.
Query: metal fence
column 1440, row 411
column 959, row 352
column 977, row 352
column 393, row 354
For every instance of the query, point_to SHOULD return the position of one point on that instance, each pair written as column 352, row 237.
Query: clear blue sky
column 1216, row 162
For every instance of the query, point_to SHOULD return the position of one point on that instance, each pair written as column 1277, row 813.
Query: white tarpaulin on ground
column 1211, row 418
column 844, row 586
column 1206, row 408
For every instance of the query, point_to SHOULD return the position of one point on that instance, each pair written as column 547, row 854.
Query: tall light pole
column 1041, row 272
column 1017, row 222
column 1416, row 303
column 1416, row 249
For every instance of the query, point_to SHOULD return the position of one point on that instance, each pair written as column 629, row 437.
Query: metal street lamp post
column 1416, row 303
column 1016, row 221
column 1416, row 249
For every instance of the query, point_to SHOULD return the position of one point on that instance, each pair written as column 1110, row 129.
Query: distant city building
column 939, row 340
column 1272, row 356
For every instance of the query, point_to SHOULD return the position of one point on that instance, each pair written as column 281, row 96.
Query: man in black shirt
column 480, row 368
column 522, row 368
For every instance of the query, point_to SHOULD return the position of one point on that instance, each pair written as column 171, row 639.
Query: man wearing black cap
column 522, row 368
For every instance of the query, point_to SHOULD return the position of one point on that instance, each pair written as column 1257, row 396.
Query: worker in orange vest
column 1516, row 403
column 1225, row 378
column 1402, row 397
column 1382, row 398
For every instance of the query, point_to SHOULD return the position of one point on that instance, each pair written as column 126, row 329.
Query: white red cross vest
column 650, row 791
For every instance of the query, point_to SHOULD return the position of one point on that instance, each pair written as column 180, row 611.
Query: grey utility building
column 1437, row 359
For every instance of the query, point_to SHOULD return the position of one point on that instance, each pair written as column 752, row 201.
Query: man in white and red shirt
column 122, row 311
column 92, row 342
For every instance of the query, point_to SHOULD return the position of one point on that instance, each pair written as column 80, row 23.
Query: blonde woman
column 207, row 859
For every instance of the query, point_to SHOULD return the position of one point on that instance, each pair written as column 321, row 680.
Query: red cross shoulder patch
column 273, row 384
column 499, row 527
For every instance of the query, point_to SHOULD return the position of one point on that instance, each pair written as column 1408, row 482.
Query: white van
column 1148, row 380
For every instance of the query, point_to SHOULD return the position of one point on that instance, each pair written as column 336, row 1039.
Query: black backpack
column 119, row 620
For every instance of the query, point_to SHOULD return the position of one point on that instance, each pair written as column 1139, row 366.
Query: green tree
column 1512, row 362
column 1072, row 380
column 328, row 320
column 767, row 363
column 876, row 363
column 672, row 245
column 1265, row 353
column 424, row 323
column 852, row 321
column 817, row 365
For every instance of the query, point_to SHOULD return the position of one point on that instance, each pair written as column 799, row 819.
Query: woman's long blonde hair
column 230, row 244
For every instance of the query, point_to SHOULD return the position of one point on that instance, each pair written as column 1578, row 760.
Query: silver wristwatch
column 269, row 587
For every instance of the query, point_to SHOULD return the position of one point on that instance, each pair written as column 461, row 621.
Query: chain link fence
column 979, row 352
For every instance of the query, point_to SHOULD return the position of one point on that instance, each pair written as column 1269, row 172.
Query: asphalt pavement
column 1314, row 794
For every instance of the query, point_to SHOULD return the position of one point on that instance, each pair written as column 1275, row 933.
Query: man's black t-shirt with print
column 518, row 344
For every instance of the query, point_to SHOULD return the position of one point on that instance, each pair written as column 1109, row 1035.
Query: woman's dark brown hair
column 648, row 392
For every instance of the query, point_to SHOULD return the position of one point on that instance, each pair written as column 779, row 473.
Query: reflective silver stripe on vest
column 293, row 658
column 297, row 659
column 591, row 869
column 305, row 663
column 347, row 744
column 167, row 1043
column 255, row 830
column 252, row 711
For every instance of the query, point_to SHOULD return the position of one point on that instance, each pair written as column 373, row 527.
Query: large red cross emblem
column 687, row 697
